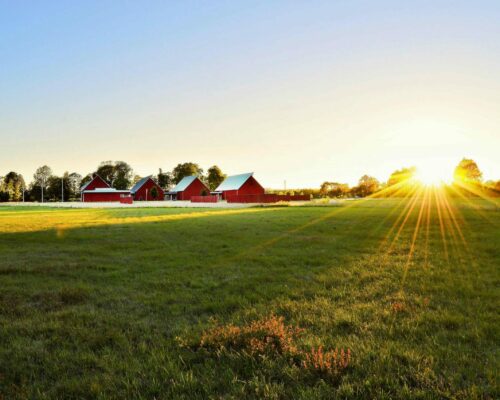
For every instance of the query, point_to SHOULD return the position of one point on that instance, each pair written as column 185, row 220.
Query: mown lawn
column 111, row 303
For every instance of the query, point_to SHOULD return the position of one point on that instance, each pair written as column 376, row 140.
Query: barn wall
column 101, row 197
column 196, row 188
column 145, row 190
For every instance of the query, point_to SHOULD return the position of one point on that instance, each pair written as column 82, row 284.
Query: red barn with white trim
column 147, row 190
column 188, row 187
column 237, row 185
column 98, row 190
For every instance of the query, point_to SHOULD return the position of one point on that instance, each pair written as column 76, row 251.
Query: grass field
column 112, row 303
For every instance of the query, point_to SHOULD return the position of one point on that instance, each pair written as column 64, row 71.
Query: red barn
column 98, row 190
column 189, row 186
column 148, row 190
column 236, row 185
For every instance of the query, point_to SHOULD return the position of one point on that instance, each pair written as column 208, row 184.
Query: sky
column 295, row 91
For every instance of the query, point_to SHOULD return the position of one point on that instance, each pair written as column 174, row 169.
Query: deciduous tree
column 467, row 171
column 186, row 169
column 215, row 177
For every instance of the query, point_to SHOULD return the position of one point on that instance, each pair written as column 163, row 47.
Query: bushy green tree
column 467, row 171
column 367, row 185
column 215, row 177
column 334, row 189
column 40, row 179
column 186, row 169
column 118, row 174
column 165, row 179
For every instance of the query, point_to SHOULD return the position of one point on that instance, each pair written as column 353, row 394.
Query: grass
column 112, row 303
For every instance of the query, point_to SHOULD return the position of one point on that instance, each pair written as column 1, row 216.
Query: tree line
column 467, row 180
column 46, row 186
column 120, row 175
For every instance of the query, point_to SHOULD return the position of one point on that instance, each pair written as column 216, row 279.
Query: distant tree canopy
column 215, row 177
column 186, row 169
column 402, row 175
column 367, row 185
column 334, row 189
column 118, row 174
column 467, row 171
column 12, row 187
column 40, row 180
column 164, row 179
column 74, row 182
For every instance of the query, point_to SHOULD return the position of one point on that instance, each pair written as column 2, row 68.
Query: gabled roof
column 139, row 184
column 92, row 180
column 233, row 182
column 184, row 183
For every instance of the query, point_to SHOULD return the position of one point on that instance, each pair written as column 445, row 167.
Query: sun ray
column 441, row 225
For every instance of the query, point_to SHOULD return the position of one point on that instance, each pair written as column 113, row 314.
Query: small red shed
column 147, row 190
column 189, row 186
column 236, row 185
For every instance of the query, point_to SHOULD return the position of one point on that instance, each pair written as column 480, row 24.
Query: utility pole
column 62, row 189
column 285, row 184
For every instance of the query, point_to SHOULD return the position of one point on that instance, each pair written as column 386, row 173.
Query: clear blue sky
column 302, row 91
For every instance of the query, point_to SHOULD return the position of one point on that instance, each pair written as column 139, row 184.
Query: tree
column 334, row 189
column 13, row 186
column 215, row 177
column 118, row 174
column 53, row 191
column 74, row 181
column 164, row 179
column 402, row 175
column 122, row 175
column 467, row 171
column 367, row 185
column 154, row 193
column 186, row 169
column 106, row 170
column 40, row 178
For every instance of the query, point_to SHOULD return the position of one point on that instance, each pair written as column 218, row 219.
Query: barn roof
column 183, row 184
column 139, row 184
column 234, row 182
column 92, row 180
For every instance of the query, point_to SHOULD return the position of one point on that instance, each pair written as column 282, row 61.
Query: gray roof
column 183, row 184
column 138, row 185
column 234, row 182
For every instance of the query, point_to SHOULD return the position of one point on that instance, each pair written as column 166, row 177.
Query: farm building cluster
column 243, row 188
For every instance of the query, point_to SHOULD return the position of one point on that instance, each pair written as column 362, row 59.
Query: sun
column 432, row 174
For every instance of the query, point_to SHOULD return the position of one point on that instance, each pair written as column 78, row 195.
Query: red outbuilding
column 98, row 190
column 188, row 187
column 239, row 185
column 147, row 190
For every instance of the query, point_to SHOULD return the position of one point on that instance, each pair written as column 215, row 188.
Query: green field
column 112, row 303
